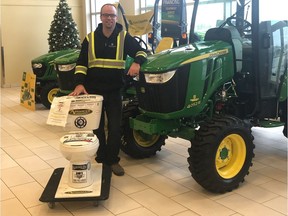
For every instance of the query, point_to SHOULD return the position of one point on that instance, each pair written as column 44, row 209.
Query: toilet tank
column 85, row 112
column 76, row 113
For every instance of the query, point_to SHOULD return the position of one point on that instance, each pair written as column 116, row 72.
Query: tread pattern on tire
column 203, row 150
column 128, row 143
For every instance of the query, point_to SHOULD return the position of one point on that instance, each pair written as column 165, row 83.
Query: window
column 277, row 10
column 93, row 8
column 146, row 5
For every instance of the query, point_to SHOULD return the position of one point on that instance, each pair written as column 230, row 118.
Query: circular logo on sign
column 80, row 122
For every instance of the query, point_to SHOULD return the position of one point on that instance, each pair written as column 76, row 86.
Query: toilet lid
column 79, row 139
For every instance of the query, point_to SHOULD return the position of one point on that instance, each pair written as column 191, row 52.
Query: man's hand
column 134, row 69
column 79, row 89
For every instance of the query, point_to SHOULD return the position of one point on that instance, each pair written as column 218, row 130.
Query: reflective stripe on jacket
column 118, row 63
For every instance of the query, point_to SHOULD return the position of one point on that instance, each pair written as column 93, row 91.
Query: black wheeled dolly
column 50, row 190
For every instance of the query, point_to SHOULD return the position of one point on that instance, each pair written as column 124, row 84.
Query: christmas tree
column 63, row 33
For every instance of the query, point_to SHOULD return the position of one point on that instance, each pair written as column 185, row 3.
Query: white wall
column 25, row 26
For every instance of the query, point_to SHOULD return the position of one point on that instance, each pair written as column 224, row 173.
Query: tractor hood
column 69, row 58
column 46, row 58
column 174, row 58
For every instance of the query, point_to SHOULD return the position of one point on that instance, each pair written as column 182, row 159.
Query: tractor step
column 270, row 123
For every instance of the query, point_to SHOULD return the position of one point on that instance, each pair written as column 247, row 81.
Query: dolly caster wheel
column 95, row 203
column 51, row 205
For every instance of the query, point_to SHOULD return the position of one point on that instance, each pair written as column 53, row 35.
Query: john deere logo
column 80, row 112
column 80, row 122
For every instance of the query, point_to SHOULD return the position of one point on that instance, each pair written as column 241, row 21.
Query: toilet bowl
column 80, row 149
column 80, row 145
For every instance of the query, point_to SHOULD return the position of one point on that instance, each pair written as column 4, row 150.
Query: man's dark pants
column 109, row 148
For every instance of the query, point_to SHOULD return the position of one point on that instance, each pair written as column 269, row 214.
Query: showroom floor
column 161, row 185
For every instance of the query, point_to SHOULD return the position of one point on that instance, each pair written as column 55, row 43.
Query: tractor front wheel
column 48, row 92
column 38, row 89
column 134, row 143
column 221, row 153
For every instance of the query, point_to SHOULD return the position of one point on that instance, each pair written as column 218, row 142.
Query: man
column 99, row 70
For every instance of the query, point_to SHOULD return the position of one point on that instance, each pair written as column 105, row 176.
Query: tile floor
column 160, row 185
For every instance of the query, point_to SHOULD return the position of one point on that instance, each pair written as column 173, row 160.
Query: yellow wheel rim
column 52, row 94
column 145, row 140
column 230, row 156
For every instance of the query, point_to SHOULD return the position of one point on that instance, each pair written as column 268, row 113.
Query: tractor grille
column 66, row 79
column 166, row 97
column 39, row 72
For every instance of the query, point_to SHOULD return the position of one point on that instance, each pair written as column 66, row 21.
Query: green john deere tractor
column 46, row 76
column 213, row 91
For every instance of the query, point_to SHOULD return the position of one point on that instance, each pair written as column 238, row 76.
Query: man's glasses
column 109, row 15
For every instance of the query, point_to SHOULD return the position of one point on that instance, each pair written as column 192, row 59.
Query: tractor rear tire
column 136, row 143
column 48, row 92
column 221, row 153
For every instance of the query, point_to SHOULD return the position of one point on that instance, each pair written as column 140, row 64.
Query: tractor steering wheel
column 141, row 42
column 246, row 28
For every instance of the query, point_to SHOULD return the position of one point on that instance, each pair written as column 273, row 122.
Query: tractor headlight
column 159, row 78
column 67, row 67
column 37, row 65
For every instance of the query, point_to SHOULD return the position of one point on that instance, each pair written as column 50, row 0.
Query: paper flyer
column 59, row 110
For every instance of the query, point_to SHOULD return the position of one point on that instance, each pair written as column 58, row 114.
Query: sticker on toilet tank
column 79, row 172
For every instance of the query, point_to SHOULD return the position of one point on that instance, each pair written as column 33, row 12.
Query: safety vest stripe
column 81, row 69
column 106, row 63
column 141, row 53
column 108, row 66
column 120, row 47
column 93, row 61
column 91, row 52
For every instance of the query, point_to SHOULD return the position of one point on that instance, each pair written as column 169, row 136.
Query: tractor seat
column 230, row 35
column 164, row 44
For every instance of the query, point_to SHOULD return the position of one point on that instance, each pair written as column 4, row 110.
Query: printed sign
column 59, row 110
column 171, row 18
column 140, row 24
column 27, row 94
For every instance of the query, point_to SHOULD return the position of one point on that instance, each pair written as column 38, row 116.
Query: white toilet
column 80, row 145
